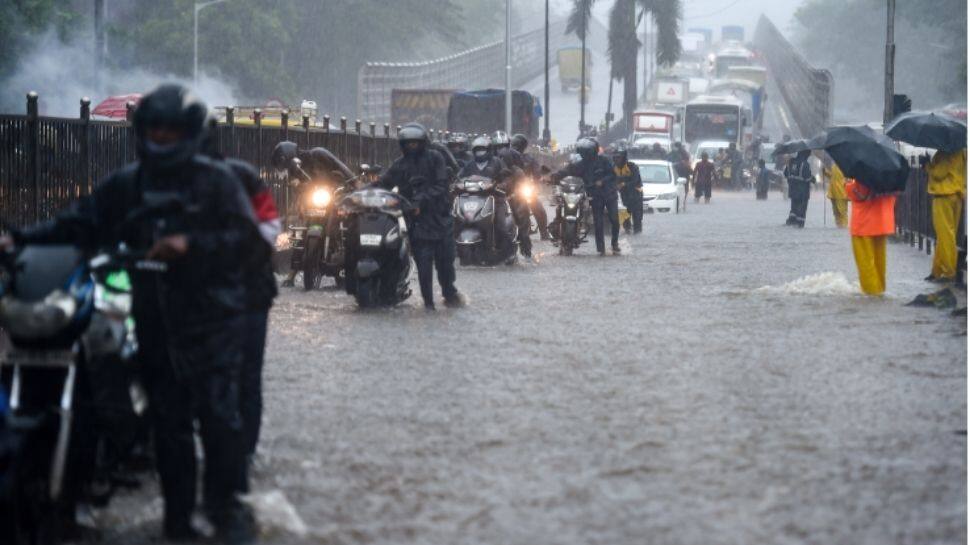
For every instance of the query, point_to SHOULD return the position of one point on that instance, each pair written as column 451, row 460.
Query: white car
column 663, row 191
column 709, row 146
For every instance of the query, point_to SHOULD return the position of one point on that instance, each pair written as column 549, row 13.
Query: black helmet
column 283, row 154
column 170, row 107
column 500, row 140
column 457, row 142
column 619, row 154
column 413, row 132
column 520, row 142
column 482, row 148
column 586, row 148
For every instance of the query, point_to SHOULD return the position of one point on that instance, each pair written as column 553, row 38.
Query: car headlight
column 320, row 197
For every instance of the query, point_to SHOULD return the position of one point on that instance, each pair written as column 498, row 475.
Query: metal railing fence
column 46, row 162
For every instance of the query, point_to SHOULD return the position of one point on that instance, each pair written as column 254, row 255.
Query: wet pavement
column 720, row 382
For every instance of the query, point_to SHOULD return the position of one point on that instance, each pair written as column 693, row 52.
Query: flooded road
column 720, row 383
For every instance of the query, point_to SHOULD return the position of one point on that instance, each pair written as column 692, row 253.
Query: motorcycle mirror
column 296, row 162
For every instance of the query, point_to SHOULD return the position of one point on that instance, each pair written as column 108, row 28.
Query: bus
column 714, row 118
column 729, row 57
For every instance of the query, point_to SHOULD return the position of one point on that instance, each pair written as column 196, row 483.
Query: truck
column 428, row 107
column 483, row 112
column 570, row 67
column 671, row 91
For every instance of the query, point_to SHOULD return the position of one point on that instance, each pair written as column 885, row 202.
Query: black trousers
column 251, row 378
column 799, row 193
column 435, row 254
column 521, row 214
column 634, row 204
column 606, row 206
column 197, row 378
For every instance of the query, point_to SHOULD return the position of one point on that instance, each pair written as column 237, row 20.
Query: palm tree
column 623, row 41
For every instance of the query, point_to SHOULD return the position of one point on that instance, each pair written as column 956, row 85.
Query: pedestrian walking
column 872, row 220
column 836, row 194
column 798, row 173
column 703, row 178
column 762, row 182
column 947, row 186
column 631, row 189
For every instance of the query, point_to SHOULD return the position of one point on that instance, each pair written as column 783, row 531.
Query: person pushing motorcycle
column 597, row 174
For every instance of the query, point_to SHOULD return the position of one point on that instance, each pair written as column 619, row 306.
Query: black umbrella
column 792, row 146
column 844, row 134
column 929, row 130
column 873, row 164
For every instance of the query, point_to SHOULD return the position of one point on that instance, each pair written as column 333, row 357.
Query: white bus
column 715, row 118
column 731, row 56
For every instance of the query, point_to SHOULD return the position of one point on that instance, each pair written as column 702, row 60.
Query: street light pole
column 582, row 79
column 546, row 135
column 199, row 6
column 887, row 115
column 508, row 67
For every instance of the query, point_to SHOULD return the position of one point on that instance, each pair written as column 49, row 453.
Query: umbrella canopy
column 929, row 130
column 843, row 134
column 871, row 163
column 115, row 107
column 792, row 146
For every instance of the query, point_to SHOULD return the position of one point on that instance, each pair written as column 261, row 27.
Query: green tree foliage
column 848, row 37
column 625, row 16
column 20, row 20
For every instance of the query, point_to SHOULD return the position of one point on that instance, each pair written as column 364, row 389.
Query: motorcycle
column 74, row 402
column 319, row 242
column 378, row 259
column 573, row 211
column 485, row 231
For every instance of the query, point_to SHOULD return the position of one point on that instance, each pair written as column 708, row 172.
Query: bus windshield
column 708, row 122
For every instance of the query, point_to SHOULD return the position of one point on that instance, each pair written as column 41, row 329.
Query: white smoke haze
column 63, row 73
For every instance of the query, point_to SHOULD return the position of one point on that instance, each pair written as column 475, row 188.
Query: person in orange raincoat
column 871, row 220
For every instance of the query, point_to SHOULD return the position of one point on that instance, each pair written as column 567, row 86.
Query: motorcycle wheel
column 311, row 264
column 465, row 255
column 368, row 292
column 568, row 237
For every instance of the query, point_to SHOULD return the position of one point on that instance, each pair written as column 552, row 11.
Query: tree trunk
column 630, row 91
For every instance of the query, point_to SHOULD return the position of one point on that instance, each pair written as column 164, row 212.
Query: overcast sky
column 715, row 13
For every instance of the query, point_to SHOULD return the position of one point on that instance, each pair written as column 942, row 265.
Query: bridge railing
column 476, row 68
column 807, row 91
column 47, row 162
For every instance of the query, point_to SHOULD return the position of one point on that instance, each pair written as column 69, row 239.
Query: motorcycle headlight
column 572, row 199
column 527, row 191
column 320, row 197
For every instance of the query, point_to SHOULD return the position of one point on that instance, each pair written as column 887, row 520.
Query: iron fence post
column 343, row 143
column 258, row 119
column 306, row 134
column 33, row 153
column 285, row 123
column 387, row 144
column 231, row 122
column 360, row 143
column 373, row 142
column 87, row 183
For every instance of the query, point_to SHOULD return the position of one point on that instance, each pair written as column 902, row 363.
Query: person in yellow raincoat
column 948, row 187
column 836, row 194
column 872, row 220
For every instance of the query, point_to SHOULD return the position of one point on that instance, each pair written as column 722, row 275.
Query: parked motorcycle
column 485, row 231
column 74, row 402
column 319, row 241
column 378, row 259
column 573, row 209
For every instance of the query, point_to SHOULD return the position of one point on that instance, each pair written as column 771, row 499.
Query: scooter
column 485, row 231
column 319, row 242
column 67, row 321
column 573, row 213
column 378, row 256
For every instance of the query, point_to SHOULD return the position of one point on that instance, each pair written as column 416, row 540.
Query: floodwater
column 722, row 382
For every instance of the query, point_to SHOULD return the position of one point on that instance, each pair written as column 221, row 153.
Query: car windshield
column 655, row 174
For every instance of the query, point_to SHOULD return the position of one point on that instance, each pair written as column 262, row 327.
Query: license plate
column 370, row 240
column 469, row 206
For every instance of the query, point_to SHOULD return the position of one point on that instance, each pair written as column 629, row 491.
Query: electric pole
column 546, row 135
column 508, row 67
column 890, row 61
column 582, row 79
